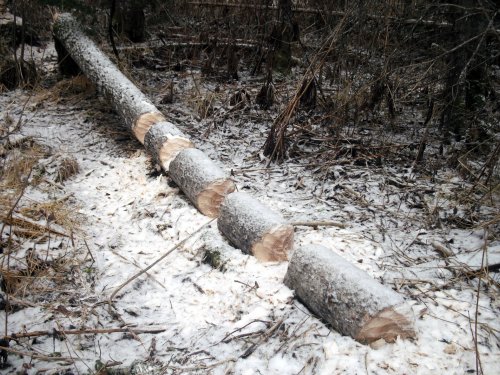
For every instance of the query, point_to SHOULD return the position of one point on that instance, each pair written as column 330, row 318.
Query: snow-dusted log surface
column 346, row 297
column 132, row 105
column 164, row 141
column 254, row 228
column 203, row 182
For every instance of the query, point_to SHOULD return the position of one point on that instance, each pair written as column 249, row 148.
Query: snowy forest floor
column 83, row 209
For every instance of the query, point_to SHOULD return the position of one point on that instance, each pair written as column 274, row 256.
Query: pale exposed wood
column 144, row 122
column 204, row 183
column 442, row 249
column 164, row 141
column 346, row 297
column 254, row 228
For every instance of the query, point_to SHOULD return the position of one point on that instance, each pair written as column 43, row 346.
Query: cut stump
column 346, row 297
column 204, row 183
column 254, row 228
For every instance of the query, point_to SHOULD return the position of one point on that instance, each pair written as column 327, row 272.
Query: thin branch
column 318, row 224
column 144, row 270
column 58, row 333
column 39, row 356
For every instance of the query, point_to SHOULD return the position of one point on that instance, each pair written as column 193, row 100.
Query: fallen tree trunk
column 254, row 228
column 346, row 297
column 132, row 105
column 204, row 183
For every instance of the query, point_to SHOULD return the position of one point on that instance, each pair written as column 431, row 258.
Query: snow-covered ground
column 244, row 320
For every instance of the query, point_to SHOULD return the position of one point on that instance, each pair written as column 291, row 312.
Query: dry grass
column 39, row 238
column 21, row 158
column 68, row 168
column 70, row 90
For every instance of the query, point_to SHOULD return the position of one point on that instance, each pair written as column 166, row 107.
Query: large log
column 346, row 297
column 204, row 183
column 254, row 228
column 133, row 106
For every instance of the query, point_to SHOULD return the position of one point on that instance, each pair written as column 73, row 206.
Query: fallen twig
column 139, row 267
column 153, row 329
column 318, row 224
column 247, row 353
column 39, row 356
column 18, row 220
column 443, row 250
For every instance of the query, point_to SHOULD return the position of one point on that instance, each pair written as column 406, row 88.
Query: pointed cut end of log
column 274, row 245
column 210, row 199
column 389, row 324
column 144, row 122
column 170, row 149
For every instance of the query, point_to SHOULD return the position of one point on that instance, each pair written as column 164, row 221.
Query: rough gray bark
column 254, row 228
column 132, row 105
column 204, row 183
column 346, row 297
column 164, row 141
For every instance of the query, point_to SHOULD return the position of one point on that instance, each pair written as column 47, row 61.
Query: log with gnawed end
column 164, row 141
column 346, row 297
column 204, row 183
column 133, row 106
column 254, row 228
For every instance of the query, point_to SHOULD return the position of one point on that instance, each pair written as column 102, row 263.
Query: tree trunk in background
column 284, row 33
column 131, row 20
column 466, row 80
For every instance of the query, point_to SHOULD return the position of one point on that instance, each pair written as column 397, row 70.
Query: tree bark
column 346, row 297
column 204, row 183
column 132, row 105
column 254, row 228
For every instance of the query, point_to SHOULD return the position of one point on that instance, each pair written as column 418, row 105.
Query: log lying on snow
column 254, row 228
column 134, row 107
column 204, row 183
column 346, row 297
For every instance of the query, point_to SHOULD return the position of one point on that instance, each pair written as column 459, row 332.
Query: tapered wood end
column 389, row 324
column 144, row 122
column 210, row 199
column 274, row 245
column 171, row 148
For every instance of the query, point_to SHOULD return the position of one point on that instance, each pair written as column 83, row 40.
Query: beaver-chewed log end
column 210, row 199
column 144, row 122
column 274, row 245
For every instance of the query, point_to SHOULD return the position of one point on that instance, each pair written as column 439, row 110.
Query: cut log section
column 346, row 297
column 254, row 228
column 164, row 141
column 204, row 183
column 132, row 105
